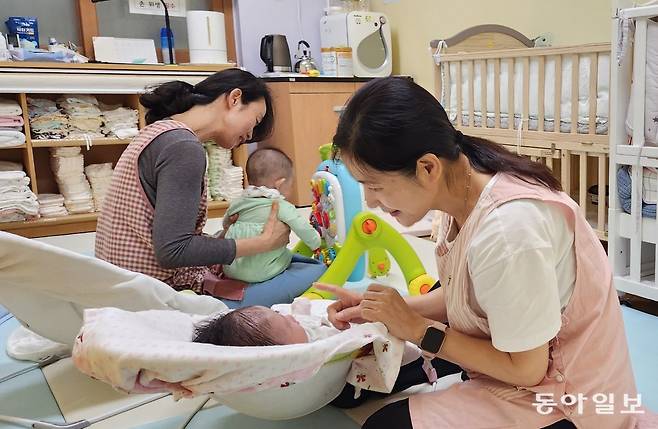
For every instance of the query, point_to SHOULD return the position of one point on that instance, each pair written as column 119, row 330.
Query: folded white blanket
column 152, row 351
column 10, row 108
column 11, row 137
column 12, row 176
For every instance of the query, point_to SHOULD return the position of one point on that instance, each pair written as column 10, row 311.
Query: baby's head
column 251, row 326
column 271, row 168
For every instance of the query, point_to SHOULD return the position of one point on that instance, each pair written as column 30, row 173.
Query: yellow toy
column 370, row 233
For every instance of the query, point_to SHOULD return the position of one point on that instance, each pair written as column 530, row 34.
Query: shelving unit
column 111, row 84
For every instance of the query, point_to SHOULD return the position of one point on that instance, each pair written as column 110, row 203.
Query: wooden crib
column 522, row 80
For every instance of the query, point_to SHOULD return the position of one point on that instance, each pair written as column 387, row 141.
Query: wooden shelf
column 73, row 224
column 23, row 146
column 53, row 226
column 75, row 142
column 217, row 208
column 165, row 68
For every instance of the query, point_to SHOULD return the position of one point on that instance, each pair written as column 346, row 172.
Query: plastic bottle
column 164, row 44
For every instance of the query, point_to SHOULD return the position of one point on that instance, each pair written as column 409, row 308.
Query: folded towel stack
column 67, row 164
column 17, row 202
column 119, row 121
column 11, row 124
column 100, row 176
column 46, row 120
column 51, row 205
column 85, row 118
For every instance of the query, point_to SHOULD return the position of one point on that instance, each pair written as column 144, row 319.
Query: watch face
column 432, row 340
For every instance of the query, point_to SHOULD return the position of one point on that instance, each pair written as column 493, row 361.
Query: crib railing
column 484, row 61
column 579, row 172
column 633, row 246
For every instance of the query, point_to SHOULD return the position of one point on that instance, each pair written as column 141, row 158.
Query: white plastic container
column 206, row 37
column 329, row 62
column 344, row 62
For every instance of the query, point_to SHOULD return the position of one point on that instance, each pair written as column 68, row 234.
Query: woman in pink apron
column 153, row 216
column 527, row 307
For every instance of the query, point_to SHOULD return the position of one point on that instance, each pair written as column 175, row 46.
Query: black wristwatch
column 432, row 340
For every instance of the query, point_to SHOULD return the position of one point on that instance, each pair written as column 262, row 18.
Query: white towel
column 10, row 108
column 11, row 137
column 153, row 351
column 10, row 166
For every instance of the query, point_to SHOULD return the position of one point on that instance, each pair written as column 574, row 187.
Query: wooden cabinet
column 116, row 85
column 306, row 115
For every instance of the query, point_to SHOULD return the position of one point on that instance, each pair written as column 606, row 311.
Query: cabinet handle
column 339, row 109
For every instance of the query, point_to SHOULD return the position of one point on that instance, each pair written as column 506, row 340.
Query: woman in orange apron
column 527, row 306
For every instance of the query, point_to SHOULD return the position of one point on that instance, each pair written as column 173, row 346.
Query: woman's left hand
column 384, row 304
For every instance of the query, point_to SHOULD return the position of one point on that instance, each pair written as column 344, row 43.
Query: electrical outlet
column 154, row 7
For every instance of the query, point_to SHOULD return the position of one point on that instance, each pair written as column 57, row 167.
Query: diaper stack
column 67, row 164
column 225, row 181
column 100, row 176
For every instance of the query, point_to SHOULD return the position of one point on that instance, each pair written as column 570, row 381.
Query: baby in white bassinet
column 261, row 326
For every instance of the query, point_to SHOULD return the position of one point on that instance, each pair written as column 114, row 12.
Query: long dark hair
column 389, row 123
column 175, row 97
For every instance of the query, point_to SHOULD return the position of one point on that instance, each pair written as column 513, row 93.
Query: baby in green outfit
column 270, row 176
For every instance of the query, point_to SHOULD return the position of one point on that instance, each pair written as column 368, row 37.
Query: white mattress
column 602, row 96
column 651, row 90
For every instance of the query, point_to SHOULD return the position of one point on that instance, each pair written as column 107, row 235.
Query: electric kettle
column 275, row 53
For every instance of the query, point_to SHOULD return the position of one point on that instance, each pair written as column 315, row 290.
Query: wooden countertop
column 166, row 68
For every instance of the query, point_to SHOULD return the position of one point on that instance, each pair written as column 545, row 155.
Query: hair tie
column 459, row 137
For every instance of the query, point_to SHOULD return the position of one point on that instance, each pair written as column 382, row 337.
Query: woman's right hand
column 347, row 307
column 276, row 234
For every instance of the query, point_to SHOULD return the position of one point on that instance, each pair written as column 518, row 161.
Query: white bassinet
column 50, row 299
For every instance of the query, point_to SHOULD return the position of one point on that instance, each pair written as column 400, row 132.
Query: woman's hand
column 346, row 309
column 384, row 304
column 275, row 233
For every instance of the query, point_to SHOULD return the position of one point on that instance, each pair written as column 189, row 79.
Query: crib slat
column 497, row 92
column 549, row 162
column 483, row 87
column 639, row 81
column 638, row 99
column 448, row 88
column 458, row 79
column 582, row 186
column 510, row 93
column 558, row 93
column 566, row 171
column 603, row 162
column 540, row 95
column 593, row 95
column 575, row 65
column 636, row 215
column 526, row 94
column 471, row 94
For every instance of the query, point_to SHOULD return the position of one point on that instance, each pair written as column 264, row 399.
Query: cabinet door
column 315, row 117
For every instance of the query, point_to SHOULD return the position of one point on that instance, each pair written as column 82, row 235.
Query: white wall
column 256, row 18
